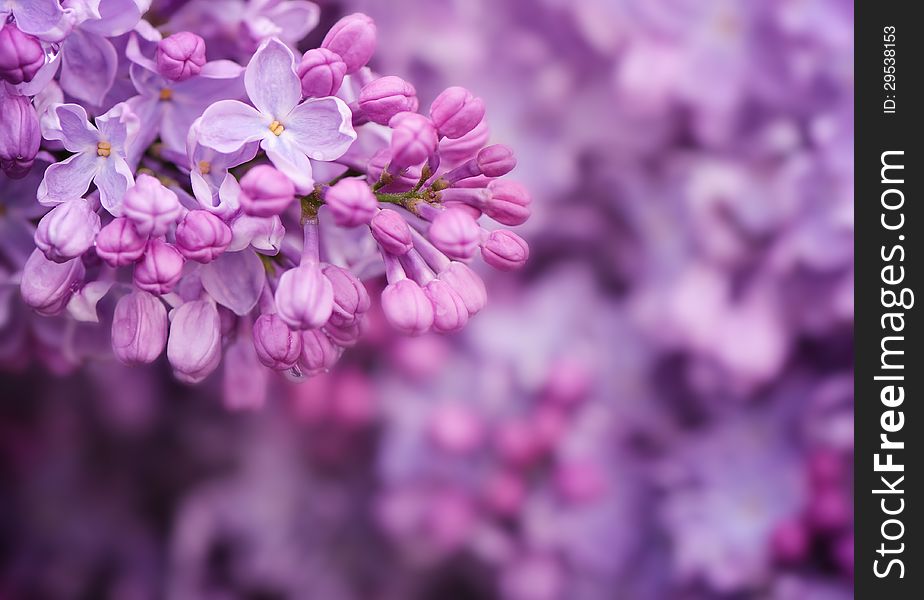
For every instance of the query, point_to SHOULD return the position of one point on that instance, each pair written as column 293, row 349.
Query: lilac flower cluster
column 205, row 207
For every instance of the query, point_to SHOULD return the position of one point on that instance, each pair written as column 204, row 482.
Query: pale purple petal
column 89, row 67
column 289, row 159
column 118, row 124
column 270, row 79
column 82, row 305
column 69, row 178
column 235, row 280
column 321, row 128
column 295, row 19
column 227, row 125
column 37, row 16
column 263, row 233
column 116, row 17
column 113, row 179
column 75, row 131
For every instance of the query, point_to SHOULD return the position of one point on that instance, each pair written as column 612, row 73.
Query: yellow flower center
column 205, row 167
column 103, row 149
column 166, row 94
column 276, row 127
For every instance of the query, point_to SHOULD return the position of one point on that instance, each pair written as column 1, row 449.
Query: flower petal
column 289, row 159
column 69, row 178
column 322, row 128
column 76, row 132
column 295, row 19
column 229, row 124
column 235, row 280
column 113, row 179
column 116, row 17
column 271, row 81
column 89, row 66
column 37, row 16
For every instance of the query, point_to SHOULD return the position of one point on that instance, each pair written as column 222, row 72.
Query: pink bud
column 346, row 336
column 385, row 97
column 119, row 243
column 351, row 300
column 456, row 152
column 21, row 55
column 467, row 284
column 456, row 428
column 266, row 191
column 496, row 160
column 509, row 203
column 304, row 297
column 505, row 250
column 354, row 38
column 47, row 286
column 455, row 233
column 790, row 542
column 407, row 308
column 150, row 206
column 20, row 134
column 139, row 328
column 67, row 231
column 321, row 73
column 160, row 268
column 180, row 56
column 413, row 140
column 194, row 345
column 277, row 346
column 319, row 354
column 449, row 311
column 391, row 232
column 201, row 236
column 351, row 202
column 456, row 112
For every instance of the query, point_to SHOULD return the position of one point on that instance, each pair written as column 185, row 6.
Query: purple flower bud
column 455, row 233
column 385, row 97
column 150, row 206
column 119, row 243
column 180, row 56
column 67, row 231
column 456, row 112
column 21, row 55
column 160, row 268
column 319, row 353
column 401, row 182
column 346, row 336
column 449, row 311
column 47, row 286
column 194, row 346
column 456, row 152
column 505, row 250
column 201, row 236
column 351, row 202
column 413, row 140
column 20, row 135
column 407, row 308
column 321, row 73
column 266, row 191
column 467, row 284
column 353, row 37
column 391, row 232
column 277, row 346
column 496, row 160
column 139, row 328
column 509, row 203
column 351, row 300
column 305, row 297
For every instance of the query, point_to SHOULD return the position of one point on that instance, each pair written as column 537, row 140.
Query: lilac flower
column 290, row 132
column 32, row 16
column 99, row 156
column 19, row 135
column 168, row 108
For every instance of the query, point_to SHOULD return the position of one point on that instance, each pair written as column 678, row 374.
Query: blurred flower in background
column 659, row 406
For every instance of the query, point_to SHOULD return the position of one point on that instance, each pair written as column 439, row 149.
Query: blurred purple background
column 659, row 407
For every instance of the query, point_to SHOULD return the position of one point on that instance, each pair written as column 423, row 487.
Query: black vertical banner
column 889, row 423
